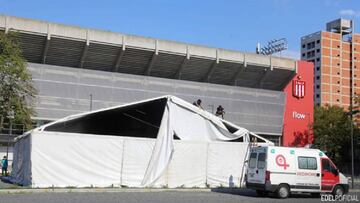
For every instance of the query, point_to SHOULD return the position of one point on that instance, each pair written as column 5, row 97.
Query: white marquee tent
column 159, row 142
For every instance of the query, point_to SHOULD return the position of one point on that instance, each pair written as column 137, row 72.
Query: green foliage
column 16, row 88
column 332, row 132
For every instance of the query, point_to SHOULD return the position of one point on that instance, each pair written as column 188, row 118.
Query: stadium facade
column 77, row 69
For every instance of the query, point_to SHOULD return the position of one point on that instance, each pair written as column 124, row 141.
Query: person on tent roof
column 198, row 104
column 220, row 111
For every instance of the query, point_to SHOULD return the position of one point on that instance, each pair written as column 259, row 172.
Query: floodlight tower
column 273, row 46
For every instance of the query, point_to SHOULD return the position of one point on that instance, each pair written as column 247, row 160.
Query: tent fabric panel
column 137, row 120
column 188, row 125
column 21, row 171
column 80, row 160
column 188, row 165
column 193, row 123
column 225, row 164
column 136, row 157
column 161, row 153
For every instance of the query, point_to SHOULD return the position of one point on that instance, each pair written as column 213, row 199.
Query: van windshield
column 327, row 166
column 252, row 162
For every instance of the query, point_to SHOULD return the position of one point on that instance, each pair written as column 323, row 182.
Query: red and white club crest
column 299, row 88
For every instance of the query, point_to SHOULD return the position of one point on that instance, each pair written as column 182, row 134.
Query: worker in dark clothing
column 220, row 111
column 4, row 166
column 198, row 103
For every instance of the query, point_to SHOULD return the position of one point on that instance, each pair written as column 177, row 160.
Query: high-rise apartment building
column 336, row 57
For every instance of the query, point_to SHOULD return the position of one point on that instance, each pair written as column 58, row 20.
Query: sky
column 228, row 24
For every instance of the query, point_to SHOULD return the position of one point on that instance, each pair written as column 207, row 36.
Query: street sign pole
column 352, row 152
column 8, row 141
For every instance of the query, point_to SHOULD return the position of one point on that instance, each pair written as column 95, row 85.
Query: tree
column 16, row 88
column 331, row 128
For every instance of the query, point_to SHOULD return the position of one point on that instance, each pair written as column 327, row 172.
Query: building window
column 338, row 91
column 318, row 77
column 311, row 45
column 303, row 46
column 338, row 46
column 338, row 82
column 337, row 100
column 317, row 50
column 318, row 68
column 317, row 96
column 303, row 55
column 317, row 59
column 338, row 73
column 318, row 41
column 317, row 86
column 310, row 54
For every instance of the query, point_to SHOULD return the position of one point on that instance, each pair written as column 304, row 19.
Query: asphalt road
column 156, row 197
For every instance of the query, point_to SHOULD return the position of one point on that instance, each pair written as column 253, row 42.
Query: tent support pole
column 147, row 123
column 206, row 165
column 122, row 163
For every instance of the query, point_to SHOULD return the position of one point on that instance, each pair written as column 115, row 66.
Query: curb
column 98, row 190
column 122, row 190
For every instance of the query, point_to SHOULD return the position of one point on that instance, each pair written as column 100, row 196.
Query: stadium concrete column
column 183, row 64
column 153, row 59
column 212, row 68
column 240, row 70
column 46, row 46
column 86, row 48
column 120, row 55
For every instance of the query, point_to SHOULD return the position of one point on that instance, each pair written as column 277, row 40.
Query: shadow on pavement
column 252, row 193
column 235, row 191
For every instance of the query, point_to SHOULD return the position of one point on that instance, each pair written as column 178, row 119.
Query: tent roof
column 182, row 103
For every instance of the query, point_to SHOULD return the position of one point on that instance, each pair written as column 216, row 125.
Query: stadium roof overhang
column 70, row 46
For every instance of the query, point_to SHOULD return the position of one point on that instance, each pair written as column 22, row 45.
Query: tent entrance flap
column 139, row 120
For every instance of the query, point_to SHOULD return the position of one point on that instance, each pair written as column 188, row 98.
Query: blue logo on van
column 273, row 151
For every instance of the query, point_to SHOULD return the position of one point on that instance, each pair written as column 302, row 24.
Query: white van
column 284, row 170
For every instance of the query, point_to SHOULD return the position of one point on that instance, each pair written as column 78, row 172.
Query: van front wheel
column 283, row 191
column 338, row 190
